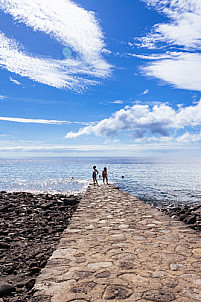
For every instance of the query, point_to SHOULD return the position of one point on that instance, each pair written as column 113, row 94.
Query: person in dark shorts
column 104, row 175
column 95, row 173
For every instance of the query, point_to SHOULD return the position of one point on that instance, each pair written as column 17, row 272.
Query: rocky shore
column 191, row 215
column 30, row 228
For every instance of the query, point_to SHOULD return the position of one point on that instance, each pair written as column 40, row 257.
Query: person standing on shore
column 104, row 175
column 95, row 173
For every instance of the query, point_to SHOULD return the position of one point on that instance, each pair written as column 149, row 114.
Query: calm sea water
column 158, row 181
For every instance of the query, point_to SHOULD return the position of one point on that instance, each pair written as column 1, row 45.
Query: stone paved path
column 120, row 249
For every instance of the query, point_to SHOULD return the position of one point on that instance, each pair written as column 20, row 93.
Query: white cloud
column 167, row 55
column 46, row 71
column 143, row 120
column 71, row 26
column 117, row 102
column 182, row 33
column 189, row 137
column 153, row 139
column 2, row 97
column 65, row 21
column 145, row 92
column 184, row 28
column 39, row 121
column 35, row 121
column 15, row 81
column 183, row 72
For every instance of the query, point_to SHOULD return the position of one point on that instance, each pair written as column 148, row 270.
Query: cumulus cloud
column 180, row 66
column 188, row 137
column 71, row 26
column 143, row 120
column 38, row 121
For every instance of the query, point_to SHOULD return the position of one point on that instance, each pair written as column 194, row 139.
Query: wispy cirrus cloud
column 184, row 28
column 178, row 44
column 39, row 121
column 15, row 81
column 117, row 102
column 145, row 92
column 69, row 24
column 2, row 97
column 144, row 121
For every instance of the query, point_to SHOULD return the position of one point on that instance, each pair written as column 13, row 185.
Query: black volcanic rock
column 30, row 228
column 6, row 288
column 190, row 215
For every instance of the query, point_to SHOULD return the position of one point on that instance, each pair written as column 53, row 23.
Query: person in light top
column 95, row 173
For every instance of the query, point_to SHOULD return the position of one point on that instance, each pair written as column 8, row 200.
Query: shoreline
column 31, row 227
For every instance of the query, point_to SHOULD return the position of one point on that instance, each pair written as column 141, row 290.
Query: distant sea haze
column 158, row 181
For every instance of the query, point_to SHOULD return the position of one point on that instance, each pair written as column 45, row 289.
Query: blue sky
column 100, row 78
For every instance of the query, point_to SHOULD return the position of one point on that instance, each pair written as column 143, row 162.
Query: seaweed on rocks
column 30, row 228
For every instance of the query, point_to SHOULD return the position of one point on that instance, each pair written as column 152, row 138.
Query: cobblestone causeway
column 120, row 249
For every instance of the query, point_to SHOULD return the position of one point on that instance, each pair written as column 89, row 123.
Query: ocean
column 159, row 181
